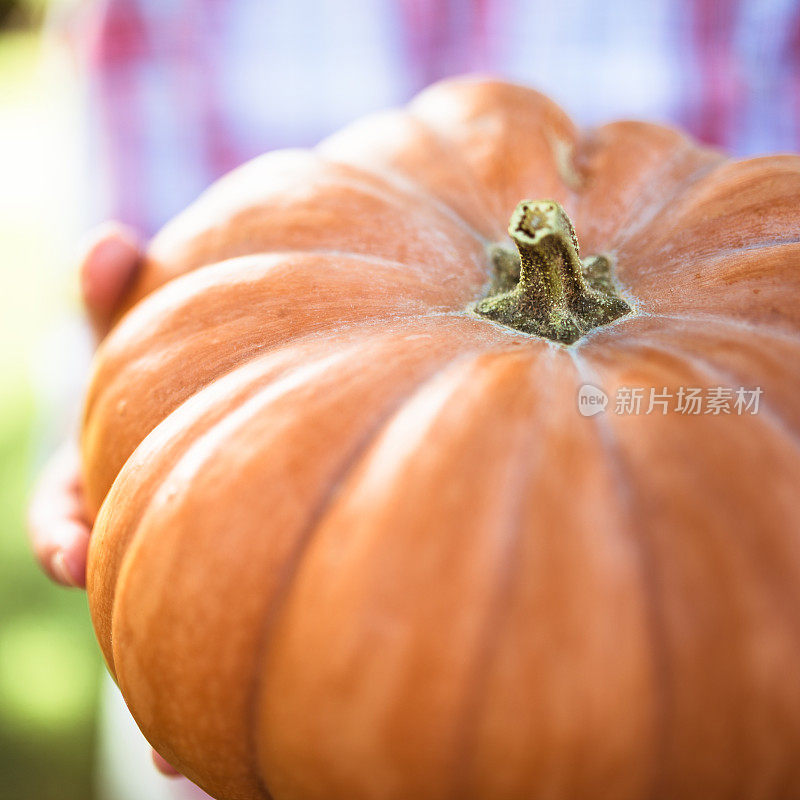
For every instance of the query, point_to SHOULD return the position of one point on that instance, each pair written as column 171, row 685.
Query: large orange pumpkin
column 357, row 543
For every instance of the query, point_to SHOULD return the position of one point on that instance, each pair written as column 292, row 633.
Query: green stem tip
column 547, row 290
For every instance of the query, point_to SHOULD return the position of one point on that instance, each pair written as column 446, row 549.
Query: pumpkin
column 354, row 539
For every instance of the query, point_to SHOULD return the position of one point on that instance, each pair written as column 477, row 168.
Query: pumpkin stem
column 556, row 295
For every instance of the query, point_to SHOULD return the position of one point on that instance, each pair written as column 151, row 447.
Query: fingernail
column 61, row 569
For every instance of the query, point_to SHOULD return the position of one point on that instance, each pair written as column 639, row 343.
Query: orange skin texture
column 356, row 543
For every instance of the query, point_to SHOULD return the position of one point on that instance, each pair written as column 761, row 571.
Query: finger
column 110, row 259
column 163, row 766
column 57, row 524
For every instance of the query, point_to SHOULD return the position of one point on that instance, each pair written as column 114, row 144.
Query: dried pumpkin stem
column 556, row 295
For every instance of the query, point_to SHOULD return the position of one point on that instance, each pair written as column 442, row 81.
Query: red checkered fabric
column 187, row 89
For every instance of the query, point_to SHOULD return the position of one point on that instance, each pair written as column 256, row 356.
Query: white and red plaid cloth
column 184, row 90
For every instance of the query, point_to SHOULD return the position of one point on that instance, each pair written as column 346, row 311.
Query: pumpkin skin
column 356, row 542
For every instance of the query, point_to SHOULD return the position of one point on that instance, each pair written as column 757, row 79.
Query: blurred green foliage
column 49, row 664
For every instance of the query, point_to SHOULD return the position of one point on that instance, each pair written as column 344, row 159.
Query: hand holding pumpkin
column 353, row 539
column 58, row 521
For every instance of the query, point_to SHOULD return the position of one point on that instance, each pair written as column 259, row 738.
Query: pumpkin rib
column 364, row 323
column 773, row 419
column 721, row 253
column 598, row 337
column 698, row 259
column 725, row 208
column 184, row 289
column 651, row 591
column 292, row 565
column 626, row 166
column 201, row 441
column 463, row 365
column 169, row 327
column 695, row 556
column 475, row 692
column 138, row 541
column 728, row 322
column 470, row 106
column 338, row 529
column 664, row 276
column 613, row 715
column 152, row 462
column 339, row 208
column 726, row 377
column 367, row 180
column 398, row 186
column 375, row 143
column 355, row 328
column 324, row 506
column 638, row 225
column 750, row 355
column 409, row 186
column 732, row 179
column 454, row 151
column 756, row 281
column 373, row 184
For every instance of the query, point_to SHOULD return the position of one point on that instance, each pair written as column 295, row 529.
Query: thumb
column 111, row 257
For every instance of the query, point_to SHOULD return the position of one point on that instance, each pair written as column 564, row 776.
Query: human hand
column 58, row 524
column 57, row 521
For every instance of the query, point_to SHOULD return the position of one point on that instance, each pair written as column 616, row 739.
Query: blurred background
column 128, row 108
column 49, row 671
